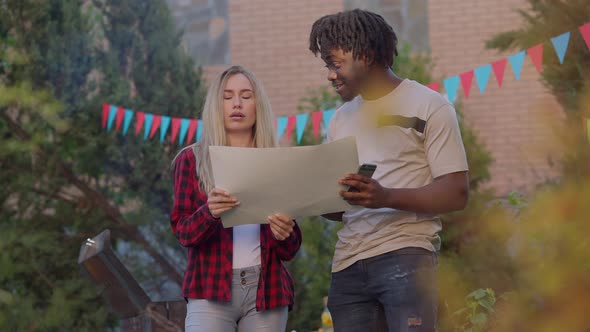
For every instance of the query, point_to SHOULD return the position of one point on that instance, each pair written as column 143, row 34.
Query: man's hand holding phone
column 363, row 190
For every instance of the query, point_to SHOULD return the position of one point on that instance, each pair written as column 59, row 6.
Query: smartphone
column 366, row 170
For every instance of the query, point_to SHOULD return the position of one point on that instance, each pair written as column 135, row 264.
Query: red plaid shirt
column 209, row 270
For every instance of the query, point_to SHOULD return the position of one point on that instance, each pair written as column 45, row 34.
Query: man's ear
column 369, row 59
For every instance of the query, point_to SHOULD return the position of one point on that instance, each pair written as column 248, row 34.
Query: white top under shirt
column 246, row 251
column 406, row 156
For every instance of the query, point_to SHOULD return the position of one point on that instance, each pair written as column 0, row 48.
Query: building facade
column 271, row 39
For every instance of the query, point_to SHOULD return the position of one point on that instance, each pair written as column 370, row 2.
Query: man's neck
column 380, row 83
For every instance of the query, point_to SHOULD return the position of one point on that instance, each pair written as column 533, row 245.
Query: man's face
column 346, row 74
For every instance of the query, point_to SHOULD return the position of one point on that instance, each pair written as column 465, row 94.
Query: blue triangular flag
column 164, row 127
column 301, row 122
column 281, row 126
column 112, row 115
column 516, row 62
column 327, row 116
column 184, row 124
column 199, row 130
column 560, row 44
column 147, row 125
column 451, row 85
column 482, row 75
column 127, row 122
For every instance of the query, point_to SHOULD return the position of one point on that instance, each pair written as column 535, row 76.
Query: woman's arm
column 190, row 219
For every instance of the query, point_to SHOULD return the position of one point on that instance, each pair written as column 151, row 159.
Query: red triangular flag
column 499, row 68
column 191, row 130
column 536, row 54
column 291, row 122
column 466, row 79
column 175, row 127
column 585, row 31
column 105, row 114
column 434, row 86
column 140, row 116
column 120, row 117
column 316, row 120
column 155, row 125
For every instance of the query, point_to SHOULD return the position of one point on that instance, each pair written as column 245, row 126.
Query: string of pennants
column 186, row 129
column 189, row 129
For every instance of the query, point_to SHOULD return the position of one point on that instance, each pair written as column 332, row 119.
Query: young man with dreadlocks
column 384, row 266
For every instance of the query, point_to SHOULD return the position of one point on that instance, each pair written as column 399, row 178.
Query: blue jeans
column 395, row 292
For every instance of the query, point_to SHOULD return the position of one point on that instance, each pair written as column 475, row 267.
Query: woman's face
column 239, row 104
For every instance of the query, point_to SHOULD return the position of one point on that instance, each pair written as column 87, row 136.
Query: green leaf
column 6, row 297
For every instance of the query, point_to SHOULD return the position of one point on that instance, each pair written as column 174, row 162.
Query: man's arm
column 446, row 193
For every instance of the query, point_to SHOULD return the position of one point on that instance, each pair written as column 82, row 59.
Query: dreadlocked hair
column 361, row 32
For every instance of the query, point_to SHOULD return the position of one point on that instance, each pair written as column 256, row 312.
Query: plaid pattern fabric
column 210, row 246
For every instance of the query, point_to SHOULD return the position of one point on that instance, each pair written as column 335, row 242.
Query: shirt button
column 243, row 281
column 243, row 273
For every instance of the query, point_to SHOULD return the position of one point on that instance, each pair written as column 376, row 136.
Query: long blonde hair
column 214, row 133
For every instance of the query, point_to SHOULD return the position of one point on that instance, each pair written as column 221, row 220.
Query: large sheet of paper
column 297, row 181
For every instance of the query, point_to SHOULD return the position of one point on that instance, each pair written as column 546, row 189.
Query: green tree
column 64, row 180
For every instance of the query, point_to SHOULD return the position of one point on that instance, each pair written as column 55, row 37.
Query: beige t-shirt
column 413, row 136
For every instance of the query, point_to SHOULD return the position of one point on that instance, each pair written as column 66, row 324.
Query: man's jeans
column 395, row 291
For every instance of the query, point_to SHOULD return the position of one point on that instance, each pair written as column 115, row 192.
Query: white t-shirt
column 412, row 135
column 246, row 251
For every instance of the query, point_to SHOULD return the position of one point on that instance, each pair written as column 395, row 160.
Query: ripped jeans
column 394, row 292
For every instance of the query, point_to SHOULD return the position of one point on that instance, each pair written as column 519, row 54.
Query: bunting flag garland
column 499, row 68
column 301, row 123
column 466, row 79
column 120, row 116
column 585, row 31
column 127, row 123
column 147, row 125
column 281, row 126
column 516, row 61
column 140, row 120
column 434, row 86
column 184, row 124
column 188, row 129
column 112, row 115
column 451, row 86
column 316, row 120
column 560, row 44
column 482, row 75
column 192, row 129
column 105, row 114
column 164, row 127
column 536, row 55
column 291, row 123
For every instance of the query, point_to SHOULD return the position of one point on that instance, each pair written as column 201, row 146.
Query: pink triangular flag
column 466, row 79
column 175, row 127
column 585, row 31
column 316, row 120
column 499, row 69
column 155, row 124
column 105, row 114
column 120, row 117
column 536, row 54
column 191, row 130
column 434, row 86
column 140, row 116
column 291, row 122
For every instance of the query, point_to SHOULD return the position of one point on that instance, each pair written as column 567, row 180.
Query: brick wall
column 511, row 121
column 270, row 38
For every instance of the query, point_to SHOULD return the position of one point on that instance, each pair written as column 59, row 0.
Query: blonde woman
column 235, row 279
